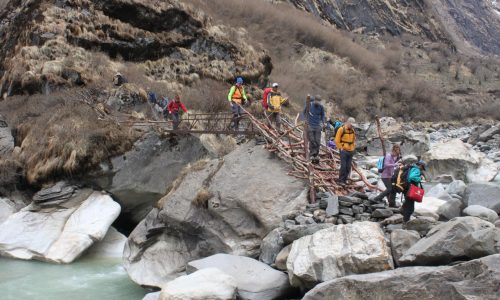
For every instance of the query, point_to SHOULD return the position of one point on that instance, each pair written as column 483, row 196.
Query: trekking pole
column 379, row 130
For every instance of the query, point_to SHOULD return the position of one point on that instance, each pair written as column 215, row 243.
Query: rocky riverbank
column 236, row 225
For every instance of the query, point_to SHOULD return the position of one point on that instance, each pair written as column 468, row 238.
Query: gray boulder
column 451, row 209
column 484, row 194
column 476, row 279
column 444, row 243
column 54, row 195
column 282, row 257
column 255, row 280
column 216, row 206
column 421, row 224
column 483, row 242
column 338, row 251
column 295, row 232
column 7, row 208
column 207, row 283
column 142, row 176
column 488, row 134
column 271, row 246
column 438, row 191
column 402, row 240
column 6, row 138
column 457, row 187
column 382, row 213
column 481, row 212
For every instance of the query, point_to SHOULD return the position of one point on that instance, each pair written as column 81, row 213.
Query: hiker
column 152, row 98
column 345, row 141
column 389, row 165
column 316, row 121
column 237, row 97
column 173, row 109
column 274, row 101
column 264, row 97
column 414, row 177
column 119, row 79
column 331, row 128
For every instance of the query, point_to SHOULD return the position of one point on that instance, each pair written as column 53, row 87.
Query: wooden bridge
column 290, row 144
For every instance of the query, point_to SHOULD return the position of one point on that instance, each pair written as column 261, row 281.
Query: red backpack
column 264, row 98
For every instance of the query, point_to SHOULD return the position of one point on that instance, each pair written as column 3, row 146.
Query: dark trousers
column 345, row 165
column 408, row 209
column 275, row 117
column 389, row 193
column 314, row 135
column 176, row 119
column 237, row 111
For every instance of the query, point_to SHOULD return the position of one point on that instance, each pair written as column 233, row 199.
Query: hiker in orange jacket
column 237, row 97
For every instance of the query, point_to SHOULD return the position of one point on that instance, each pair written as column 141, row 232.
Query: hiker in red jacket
column 173, row 109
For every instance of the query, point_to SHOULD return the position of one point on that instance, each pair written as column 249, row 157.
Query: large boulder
column 7, row 208
column 481, row 212
column 294, row 232
column 483, row 242
column 140, row 177
column 429, row 206
column 6, row 138
column 402, row 240
column 271, row 246
column 209, row 283
column 338, row 251
column 476, row 279
column 484, row 194
column 459, row 160
column 216, row 206
column 445, row 243
column 255, row 280
column 58, row 234
column 111, row 246
column 457, row 187
column 451, row 209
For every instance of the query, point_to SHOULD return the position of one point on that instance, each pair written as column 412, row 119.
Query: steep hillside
column 49, row 44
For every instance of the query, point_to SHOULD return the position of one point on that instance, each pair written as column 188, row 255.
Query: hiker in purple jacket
column 390, row 163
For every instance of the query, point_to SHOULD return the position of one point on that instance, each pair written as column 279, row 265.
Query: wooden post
column 379, row 130
column 312, row 190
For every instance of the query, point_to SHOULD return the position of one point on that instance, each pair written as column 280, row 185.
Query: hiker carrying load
column 237, row 97
column 174, row 108
column 316, row 122
column 389, row 164
column 345, row 140
column 406, row 180
column 273, row 102
column 119, row 79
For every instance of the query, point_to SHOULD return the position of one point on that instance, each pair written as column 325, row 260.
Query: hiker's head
column 350, row 121
column 177, row 98
column 275, row 86
column 421, row 164
column 317, row 99
column 239, row 81
column 396, row 149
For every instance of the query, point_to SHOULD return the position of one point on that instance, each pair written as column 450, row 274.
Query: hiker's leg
column 349, row 163
column 343, row 164
column 316, row 139
column 391, row 195
column 175, row 118
column 234, row 120
column 277, row 118
column 408, row 208
column 311, row 142
column 388, row 189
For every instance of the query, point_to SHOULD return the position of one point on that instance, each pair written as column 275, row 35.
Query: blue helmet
column 239, row 80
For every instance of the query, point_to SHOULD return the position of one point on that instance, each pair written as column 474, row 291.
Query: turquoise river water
column 85, row 279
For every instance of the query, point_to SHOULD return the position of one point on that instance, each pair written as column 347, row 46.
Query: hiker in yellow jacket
column 346, row 143
column 237, row 97
column 274, row 102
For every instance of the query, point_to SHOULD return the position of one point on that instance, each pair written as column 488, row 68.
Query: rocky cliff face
column 61, row 43
column 477, row 23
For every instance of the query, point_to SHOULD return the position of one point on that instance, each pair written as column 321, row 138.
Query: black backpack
column 400, row 179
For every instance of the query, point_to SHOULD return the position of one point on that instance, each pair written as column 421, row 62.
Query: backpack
column 264, row 98
column 380, row 164
column 400, row 179
column 336, row 127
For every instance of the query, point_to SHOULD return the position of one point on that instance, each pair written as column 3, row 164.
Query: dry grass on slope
column 61, row 136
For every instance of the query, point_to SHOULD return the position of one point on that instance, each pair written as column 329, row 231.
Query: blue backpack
column 380, row 164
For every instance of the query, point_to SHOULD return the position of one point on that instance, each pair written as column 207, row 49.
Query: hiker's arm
column 231, row 93
column 337, row 138
column 415, row 176
column 184, row 107
column 244, row 94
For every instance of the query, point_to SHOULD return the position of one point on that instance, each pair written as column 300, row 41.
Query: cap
column 422, row 164
column 351, row 120
column 317, row 97
column 239, row 80
column 275, row 84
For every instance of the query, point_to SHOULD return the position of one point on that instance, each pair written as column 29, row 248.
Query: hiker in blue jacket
column 316, row 121
column 414, row 177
